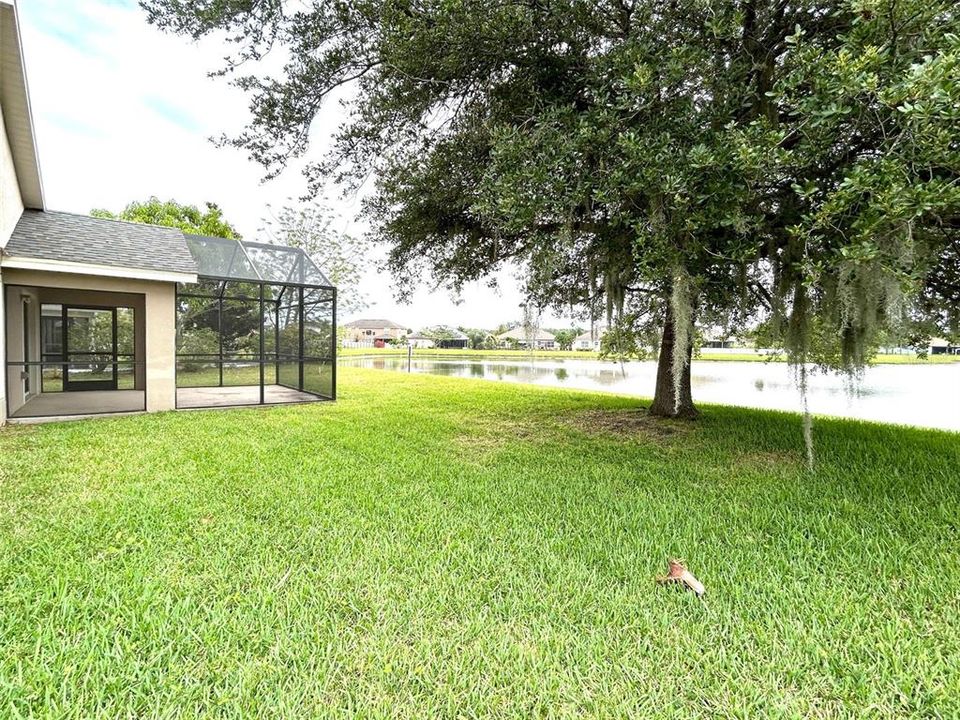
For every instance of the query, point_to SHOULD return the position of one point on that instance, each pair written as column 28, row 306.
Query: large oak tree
column 665, row 163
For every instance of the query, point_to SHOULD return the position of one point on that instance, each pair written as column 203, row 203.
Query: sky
column 123, row 111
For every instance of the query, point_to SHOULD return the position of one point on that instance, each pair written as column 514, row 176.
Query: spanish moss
column 681, row 303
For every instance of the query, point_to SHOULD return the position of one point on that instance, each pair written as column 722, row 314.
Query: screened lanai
column 258, row 328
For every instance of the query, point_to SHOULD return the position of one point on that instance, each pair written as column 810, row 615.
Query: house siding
column 11, row 203
column 11, row 208
column 3, row 357
column 353, row 334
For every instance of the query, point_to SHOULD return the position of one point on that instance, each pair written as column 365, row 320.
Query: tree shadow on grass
column 628, row 423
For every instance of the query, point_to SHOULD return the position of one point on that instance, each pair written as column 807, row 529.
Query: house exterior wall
column 353, row 334
column 588, row 341
column 3, row 355
column 159, row 321
column 17, row 301
column 11, row 208
column 506, row 342
column 11, row 204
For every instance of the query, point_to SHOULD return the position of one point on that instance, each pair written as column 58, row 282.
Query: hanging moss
column 681, row 304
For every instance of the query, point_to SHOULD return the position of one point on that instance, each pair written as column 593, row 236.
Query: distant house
column 718, row 343
column 589, row 340
column 542, row 339
column 419, row 340
column 450, row 338
column 376, row 330
column 717, row 337
column 942, row 346
column 441, row 336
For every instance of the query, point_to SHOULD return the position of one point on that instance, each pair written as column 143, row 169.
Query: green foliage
column 95, row 335
column 438, row 332
column 873, row 250
column 196, row 341
column 565, row 337
column 623, row 342
column 170, row 213
column 480, row 339
column 317, row 341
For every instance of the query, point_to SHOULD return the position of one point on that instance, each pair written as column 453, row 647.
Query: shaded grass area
column 433, row 547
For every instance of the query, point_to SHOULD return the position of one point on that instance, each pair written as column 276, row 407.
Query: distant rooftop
column 588, row 336
column 373, row 324
column 451, row 333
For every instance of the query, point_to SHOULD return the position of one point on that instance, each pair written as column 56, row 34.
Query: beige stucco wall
column 159, row 320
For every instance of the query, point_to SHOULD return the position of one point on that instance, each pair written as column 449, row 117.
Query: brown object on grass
column 679, row 574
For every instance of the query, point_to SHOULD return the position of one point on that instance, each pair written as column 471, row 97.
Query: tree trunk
column 663, row 400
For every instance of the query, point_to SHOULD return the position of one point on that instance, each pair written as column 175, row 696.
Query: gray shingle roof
column 83, row 239
column 591, row 337
column 373, row 324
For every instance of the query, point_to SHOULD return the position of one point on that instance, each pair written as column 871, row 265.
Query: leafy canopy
column 713, row 162
column 170, row 213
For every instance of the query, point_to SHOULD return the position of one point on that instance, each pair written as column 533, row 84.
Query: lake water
column 922, row 395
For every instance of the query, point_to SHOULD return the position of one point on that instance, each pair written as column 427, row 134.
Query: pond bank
column 919, row 395
column 704, row 356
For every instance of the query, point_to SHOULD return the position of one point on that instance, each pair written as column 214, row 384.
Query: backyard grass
column 437, row 547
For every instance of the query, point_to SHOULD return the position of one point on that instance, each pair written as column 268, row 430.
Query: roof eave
column 15, row 262
column 16, row 97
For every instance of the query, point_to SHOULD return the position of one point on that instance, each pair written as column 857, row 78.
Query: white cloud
column 124, row 111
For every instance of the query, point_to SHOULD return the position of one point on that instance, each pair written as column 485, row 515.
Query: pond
column 921, row 395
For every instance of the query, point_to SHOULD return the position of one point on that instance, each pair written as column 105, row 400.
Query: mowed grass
column 434, row 547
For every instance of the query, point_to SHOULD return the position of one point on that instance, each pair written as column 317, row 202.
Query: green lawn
column 434, row 547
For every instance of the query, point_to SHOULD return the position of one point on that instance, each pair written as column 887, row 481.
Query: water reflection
column 923, row 395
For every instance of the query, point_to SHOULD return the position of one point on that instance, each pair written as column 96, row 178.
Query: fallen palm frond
column 679, row 574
